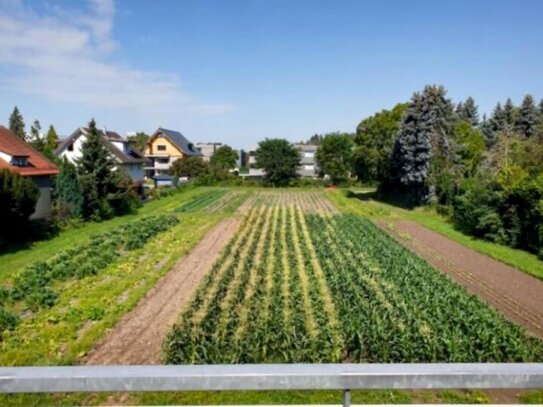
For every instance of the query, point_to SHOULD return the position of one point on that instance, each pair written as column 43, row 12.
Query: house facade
column 208, row 149
column 126, row 157
column 164, row 148
column 308, row 163
column 18, row 156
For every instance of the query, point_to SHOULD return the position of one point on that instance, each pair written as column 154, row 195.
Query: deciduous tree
column 279, row 159
column 222, row 161
column 190, row 167
column 334, row 156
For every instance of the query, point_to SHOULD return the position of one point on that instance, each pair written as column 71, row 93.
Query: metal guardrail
column 344, row 377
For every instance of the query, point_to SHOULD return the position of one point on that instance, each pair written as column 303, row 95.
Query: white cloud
column 66, row 55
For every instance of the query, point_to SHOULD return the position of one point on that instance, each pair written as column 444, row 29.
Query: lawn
column 363, row 203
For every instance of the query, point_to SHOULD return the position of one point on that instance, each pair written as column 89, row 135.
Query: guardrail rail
column 345, row 377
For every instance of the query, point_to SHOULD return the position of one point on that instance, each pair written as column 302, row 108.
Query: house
column 208, row 149
column 308, row 163
column 17, row 156
column 125, row 156
column 164, row 147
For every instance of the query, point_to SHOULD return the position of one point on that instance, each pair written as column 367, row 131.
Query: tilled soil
column 517, row 295
column 137, row 337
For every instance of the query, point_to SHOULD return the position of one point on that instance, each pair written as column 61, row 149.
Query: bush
column 8, row 320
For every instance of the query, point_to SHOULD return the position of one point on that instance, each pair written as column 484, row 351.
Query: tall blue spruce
column 527, row 117
column 422, row 151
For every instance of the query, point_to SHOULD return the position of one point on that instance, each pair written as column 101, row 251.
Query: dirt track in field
column 518, row 296
column 137, row 337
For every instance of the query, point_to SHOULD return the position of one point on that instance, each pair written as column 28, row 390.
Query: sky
column 240, row 71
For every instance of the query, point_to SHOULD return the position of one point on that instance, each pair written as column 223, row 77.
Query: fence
column 345, row 377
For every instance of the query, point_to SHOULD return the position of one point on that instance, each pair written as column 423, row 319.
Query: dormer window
column 19, row 161
column 191, row 147
column 71, row 147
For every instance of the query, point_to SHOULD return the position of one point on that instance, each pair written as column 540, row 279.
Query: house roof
column 130, row 156
column 13, row 145
column 178, row 140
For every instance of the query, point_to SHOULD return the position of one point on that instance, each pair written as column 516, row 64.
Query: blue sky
column 240, row 71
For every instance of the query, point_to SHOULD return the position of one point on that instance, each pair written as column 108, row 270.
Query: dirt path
column 137, row 337
column 518, row 296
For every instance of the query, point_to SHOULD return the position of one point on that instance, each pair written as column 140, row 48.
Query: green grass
column 251, row 397
column 373, row 209
column 12, row 262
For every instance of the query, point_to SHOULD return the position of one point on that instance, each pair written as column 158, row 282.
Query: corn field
column 298, row 285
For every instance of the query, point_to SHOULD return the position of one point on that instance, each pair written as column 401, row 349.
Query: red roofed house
column 17, row 156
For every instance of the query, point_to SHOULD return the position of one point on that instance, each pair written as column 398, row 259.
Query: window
column 309, row 154
column 162, row 160
column 71, row 147
column 161, row 147
column 19, row 161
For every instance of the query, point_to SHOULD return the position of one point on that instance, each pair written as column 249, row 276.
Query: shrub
column 8, row 320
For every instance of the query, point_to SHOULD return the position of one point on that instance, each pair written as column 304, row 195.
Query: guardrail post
column 346, row 398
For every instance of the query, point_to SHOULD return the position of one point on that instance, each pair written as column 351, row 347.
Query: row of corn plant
column 34, row 284
column 265, row 305
column 202, row 201
column 394, row 307
column 191, row 340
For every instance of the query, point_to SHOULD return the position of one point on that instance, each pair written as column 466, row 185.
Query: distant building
column 308, row 163
column 18, row 156
column 164, row 148
column 208, row 149
column 123, row 154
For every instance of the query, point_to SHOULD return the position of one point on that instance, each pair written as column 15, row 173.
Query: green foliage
column 51, row 139
column 222, row 161
column 139, row 140
column 471, row 146
column 68, row 190
column 18, row 197
column 8, row 320
column 33, row 284
column 527, row 119
column 202, row 201
column 190, row 167
column 334, row 156
column 17, row 124
column 421, row 157
column 106, row 191
column 36, row 139
column 374, row 141
column 468, row 112
column 279, row 159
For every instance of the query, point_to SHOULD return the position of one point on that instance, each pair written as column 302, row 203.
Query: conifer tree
column 509, row 113
column 106, row 190
column 468, row 112
column 17, row 124
column 68, row 189
column 498, row 119
column 527, row 117
column 36, row 139
column 51, row 140
column 422, row 150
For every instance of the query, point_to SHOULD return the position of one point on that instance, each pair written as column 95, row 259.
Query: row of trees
column 45, row 144
column 487, row 174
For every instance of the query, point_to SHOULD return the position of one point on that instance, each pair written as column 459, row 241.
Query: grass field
column 299, row 282
column 362, row 203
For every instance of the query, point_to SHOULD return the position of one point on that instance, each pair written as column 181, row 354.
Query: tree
column 279, row 159
column 527, row 117
column 51, row 140
column 468, row 111
column 139, row 140
column 498, row 120
column 421, row 156
column 36, row 139
column 334, row 156
column 18, row 198
column 190, row 167
column 509, row 114
column 17, row 124
column 106, row 191
column 222, row 161
column 471, row 146
column 374, row 140
column 68, row 190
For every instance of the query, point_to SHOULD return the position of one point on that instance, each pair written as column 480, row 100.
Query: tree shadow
column 21, row 237
column 393, row 200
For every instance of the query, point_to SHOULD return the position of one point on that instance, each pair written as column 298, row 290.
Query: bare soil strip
column 137, row 338
column 518, row 296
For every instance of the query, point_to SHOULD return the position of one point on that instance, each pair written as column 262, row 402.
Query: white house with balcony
column 125, row 156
